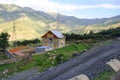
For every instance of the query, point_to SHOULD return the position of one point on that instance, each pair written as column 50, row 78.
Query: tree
column 4, row 37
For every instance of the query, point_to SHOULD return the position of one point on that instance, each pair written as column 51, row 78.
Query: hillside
column 32, row 22
column 105, row 21
column 27, row 21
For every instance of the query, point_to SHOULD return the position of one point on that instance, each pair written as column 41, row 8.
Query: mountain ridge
column 38, row 22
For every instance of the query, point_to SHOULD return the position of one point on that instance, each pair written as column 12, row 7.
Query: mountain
column 86, row 25
column 76, row 21
column 27, row 21
column 31, row 24
column 13, row 12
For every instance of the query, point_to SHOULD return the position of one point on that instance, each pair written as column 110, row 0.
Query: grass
column 105, row 75
column 5, row 66
column 45, row 60
column 55, row 57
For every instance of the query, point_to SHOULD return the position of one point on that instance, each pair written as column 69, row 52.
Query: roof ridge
column 57, row 33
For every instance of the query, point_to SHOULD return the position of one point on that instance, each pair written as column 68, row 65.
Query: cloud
column 107, row 6
column 48, row 5
column 109, row 1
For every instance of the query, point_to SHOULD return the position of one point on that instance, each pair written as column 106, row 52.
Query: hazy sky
column 78, row 8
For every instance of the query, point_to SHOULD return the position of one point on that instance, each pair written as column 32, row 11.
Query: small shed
column 43, row 49
column 54, row 39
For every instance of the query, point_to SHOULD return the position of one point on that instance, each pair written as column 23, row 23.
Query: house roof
column 57, row 33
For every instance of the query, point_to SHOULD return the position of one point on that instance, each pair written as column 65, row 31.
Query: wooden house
column 54, row 39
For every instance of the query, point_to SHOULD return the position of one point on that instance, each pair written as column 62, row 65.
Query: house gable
column 57, row 33
column 53, row 34
column 49, row 34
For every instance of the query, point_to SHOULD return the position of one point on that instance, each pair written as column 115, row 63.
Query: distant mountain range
column 31, row 24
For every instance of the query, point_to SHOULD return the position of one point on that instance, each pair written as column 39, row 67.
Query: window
column 50, row 40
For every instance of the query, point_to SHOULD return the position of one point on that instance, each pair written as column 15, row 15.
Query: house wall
column 50, row 39
column 55, row 43
column 61, row 42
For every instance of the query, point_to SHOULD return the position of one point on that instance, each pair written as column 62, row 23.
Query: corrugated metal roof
column 57, row 33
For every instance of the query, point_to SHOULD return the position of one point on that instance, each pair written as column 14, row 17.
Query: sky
column 79, row 8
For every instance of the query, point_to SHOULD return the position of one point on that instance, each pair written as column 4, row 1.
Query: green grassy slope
column 45, row 60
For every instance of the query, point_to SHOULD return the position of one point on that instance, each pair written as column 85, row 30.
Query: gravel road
column 25, row 75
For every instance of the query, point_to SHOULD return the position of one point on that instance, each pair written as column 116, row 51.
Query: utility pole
column 14, row 34
column 58, row 21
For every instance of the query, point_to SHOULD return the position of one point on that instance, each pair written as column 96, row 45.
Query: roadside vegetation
column 105, row 75
column 4, row 37
column 58, row 56
column 3, row 55
column 45, row 60
column 106, row 34
column 27, row 42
